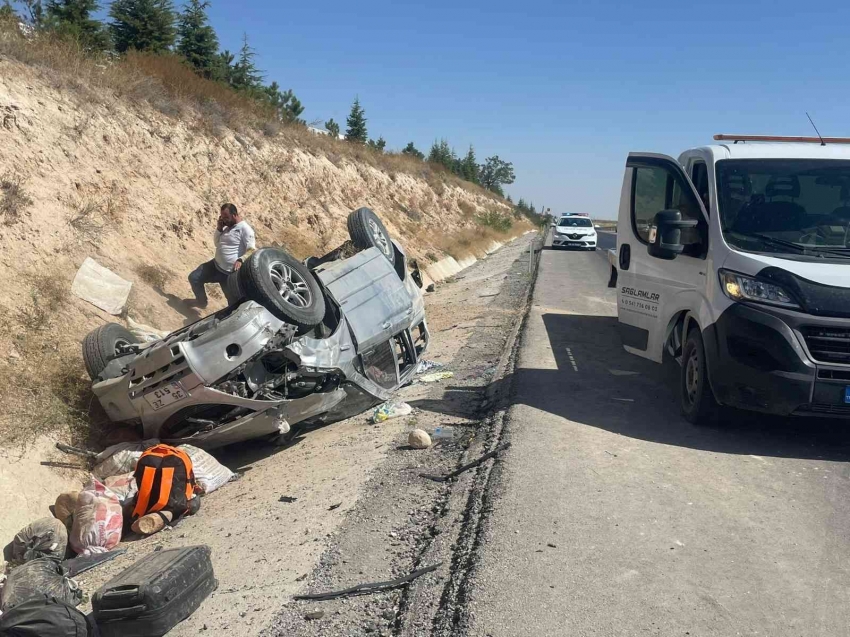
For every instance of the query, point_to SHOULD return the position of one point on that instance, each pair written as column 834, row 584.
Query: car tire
column 284, row 286
column 101, row 344
column 368, row 231
column 699, row 406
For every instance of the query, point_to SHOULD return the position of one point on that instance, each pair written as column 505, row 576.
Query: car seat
column 769, row 215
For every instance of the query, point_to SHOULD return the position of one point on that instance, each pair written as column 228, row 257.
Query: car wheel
column 698, row 404
column 101, row 345
column 368, row 231
column 284, row 286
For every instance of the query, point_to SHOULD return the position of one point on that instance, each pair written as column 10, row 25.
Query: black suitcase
column 154, row 594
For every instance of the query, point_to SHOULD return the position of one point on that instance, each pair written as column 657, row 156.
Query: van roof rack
column 779, row 138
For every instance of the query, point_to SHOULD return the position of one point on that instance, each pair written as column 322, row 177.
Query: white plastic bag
column 98, row 520
column 124, row 487
column 120, row 459
column 391, row 409
column 210, row 474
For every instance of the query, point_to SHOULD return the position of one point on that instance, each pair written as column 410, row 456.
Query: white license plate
column 166, row 395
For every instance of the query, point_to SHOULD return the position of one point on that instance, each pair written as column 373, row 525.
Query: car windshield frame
column 570, row 222
column 788, row 208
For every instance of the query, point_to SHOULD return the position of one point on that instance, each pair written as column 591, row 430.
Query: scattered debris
column 444, row 433
column 552, row 546
column 157, row 592
column 431, row 288
column 391, row 409
column 44, row 576
column 75, row 451
column 152, row 522
column 145, row 333
column 419, row 439
column 210, row 474
column 288, row 499
column 334, row 506
column 316, row 614
column 125, row 487
column 436, row 377
column 466, row 467
column 79, row 565
column 624, row 400
column 46, row 537
column 376, row 587
column 101, row 287
column 301, row 578
column 65, row 504
column 623, row 372
column 120, row 459
column 427, row 366
column 98, row 520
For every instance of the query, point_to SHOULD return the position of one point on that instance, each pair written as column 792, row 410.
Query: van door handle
column 625, row 256
column 386, row 325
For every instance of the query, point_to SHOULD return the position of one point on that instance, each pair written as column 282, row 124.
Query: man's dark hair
column 231, row 209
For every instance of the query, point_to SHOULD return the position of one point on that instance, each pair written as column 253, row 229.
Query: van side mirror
column 665, row 235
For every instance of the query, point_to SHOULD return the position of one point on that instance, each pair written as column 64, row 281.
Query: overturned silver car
column 309, row 344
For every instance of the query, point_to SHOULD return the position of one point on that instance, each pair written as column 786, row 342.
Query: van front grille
column 828, row 344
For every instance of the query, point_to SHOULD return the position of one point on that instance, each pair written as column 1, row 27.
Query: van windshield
column 786, row 206
column 575, row 222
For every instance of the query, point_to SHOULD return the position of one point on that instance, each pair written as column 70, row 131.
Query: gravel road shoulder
column 402, row 521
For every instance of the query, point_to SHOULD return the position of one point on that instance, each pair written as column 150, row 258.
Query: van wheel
column 103, row 344
column 698, row 404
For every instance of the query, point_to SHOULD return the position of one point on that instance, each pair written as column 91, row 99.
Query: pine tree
column 223, row 67
column 442, row 154
column 72, row 18
column 332, row 127
column 198, row 42
column 287, row 106
column 245, row 75
column 143, row 25
column 494, row 172
column 411, row 150
column 7, row 13
column 379, row 145
column 356, row 122
column 469, row 166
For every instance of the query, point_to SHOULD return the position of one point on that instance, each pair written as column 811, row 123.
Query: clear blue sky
column 563, row 90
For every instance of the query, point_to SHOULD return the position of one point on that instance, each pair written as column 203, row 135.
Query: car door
column 651, row 291
column 371, row 295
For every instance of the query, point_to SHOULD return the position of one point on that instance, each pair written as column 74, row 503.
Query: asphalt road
column 611, row 515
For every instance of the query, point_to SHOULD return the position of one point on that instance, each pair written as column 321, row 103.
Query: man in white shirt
column 234, row 242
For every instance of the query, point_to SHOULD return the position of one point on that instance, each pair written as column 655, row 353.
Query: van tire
column 697, row 400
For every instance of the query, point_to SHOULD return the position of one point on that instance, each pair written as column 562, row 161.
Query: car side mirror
column 665, row 234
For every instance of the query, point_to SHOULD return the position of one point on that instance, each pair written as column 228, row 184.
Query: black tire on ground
column 284, row 286
column 100, row 346
column 368, row 231
column 697, row 400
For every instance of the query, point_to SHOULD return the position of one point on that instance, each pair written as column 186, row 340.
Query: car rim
column 119, row 346
column 380, row 238
column 291, row 286
column 692, row 377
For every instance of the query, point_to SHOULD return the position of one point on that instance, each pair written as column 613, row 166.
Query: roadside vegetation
column 150, row 51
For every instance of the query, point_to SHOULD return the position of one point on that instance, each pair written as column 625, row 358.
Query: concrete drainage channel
column 404, row 522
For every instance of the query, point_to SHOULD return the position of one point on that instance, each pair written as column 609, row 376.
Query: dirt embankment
column 85, row 172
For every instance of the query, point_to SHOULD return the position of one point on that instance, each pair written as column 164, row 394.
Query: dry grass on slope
column 172, row 88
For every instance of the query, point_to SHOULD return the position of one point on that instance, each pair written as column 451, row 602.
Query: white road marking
column 572, row 359
column 624, row 400
column 623, row 372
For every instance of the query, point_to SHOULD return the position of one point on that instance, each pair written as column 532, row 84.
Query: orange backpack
column 166, row 481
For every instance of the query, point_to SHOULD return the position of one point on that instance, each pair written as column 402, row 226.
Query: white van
column 735, row 260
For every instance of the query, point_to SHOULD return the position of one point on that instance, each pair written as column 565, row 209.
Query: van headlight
column 740, row 287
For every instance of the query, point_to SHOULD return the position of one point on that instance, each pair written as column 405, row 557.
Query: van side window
column 655, row 188
column 649, row 196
